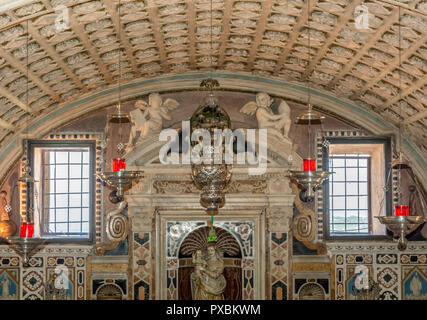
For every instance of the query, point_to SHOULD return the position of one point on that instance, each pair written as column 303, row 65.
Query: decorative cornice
column 54, row 250
column 370, row 247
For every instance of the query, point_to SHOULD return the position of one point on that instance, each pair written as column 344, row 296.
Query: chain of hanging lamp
column 308, row 77
column 211, row 70
column 27, row 178
column 400, row 110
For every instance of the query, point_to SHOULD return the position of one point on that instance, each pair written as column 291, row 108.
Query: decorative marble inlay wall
column 392, row 270
column 142, row 266
column 279, row 265
column 32, row 283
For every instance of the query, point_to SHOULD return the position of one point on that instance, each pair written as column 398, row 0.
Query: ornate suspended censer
column 212, row 174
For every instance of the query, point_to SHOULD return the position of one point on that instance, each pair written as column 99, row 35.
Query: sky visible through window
column 66, row 191
column 349, row 193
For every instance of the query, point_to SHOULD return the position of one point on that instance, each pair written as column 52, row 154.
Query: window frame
column 370, row 228
column 386, row 142
column 91, row 144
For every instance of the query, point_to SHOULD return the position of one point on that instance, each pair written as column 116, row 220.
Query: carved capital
column 142, row 219
column 278, row 219
column 279, row 185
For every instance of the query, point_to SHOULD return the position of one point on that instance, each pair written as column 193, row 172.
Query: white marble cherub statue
column 277, row 124
column 147, row 118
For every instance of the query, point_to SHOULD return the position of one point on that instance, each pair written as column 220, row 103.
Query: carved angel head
column 263, row 100
column 155, row 100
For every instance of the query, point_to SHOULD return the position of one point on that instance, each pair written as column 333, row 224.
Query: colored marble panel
column 141, row 291
column 414, row 286
column 9, row 284
column 279, row 291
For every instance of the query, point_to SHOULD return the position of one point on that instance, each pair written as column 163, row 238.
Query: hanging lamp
column 119, row 178
column 211, row 177
column 26, row 245
column 309, row 179
column 401, row 223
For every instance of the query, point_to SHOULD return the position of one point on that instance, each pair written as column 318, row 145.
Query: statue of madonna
column 208, row 279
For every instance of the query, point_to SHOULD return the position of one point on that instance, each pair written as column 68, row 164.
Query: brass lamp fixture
column 119, row 178
column 26, row 245
column 211, row 175
column 402, row 222
column 310, row 178
column 309, row 117
column 211, row 178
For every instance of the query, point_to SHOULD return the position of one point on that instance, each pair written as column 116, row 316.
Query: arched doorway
column 232, row 256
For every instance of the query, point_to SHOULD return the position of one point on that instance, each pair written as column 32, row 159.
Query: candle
column 309, row 164
column 401, row 210
column 119, row 164
column 27, row 229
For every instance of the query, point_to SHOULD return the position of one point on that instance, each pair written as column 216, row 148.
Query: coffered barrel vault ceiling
column 265, row 38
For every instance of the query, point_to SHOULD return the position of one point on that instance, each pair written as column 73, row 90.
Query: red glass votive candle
column 309, row 164
column 401, row 211
column 119, row 164
column 27, row 229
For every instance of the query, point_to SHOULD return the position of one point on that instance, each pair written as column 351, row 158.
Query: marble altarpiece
column 281, row 252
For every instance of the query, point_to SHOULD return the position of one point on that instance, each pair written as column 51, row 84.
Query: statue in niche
column 147, row 118
column 207, row 280
column 277, row 124
column 7, row 226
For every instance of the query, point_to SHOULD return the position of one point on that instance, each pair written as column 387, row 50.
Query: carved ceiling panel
column 268, row 38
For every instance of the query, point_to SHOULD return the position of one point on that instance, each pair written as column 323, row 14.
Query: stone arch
column 147, row 153
column 227, row 244
column 68, row 111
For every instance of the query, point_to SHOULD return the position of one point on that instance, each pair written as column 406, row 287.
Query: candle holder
column 25, row 247
column 401, row 226
column 401, row 210
column 309, row 164
column 309, row 181
column 119, row 164
column 27, row 229
column 119, row 180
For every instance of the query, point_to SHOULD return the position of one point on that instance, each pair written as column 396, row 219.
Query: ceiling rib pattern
column 268, row 38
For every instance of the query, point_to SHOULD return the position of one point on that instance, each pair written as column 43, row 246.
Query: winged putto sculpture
column 147, row 118
column 277, row 124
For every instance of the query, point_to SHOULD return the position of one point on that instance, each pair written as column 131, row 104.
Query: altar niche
column 231, row 253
